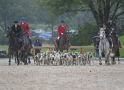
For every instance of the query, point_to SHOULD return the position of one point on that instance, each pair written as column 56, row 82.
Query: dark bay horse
column 63, row 42
column 115, row 49
column 15, row 47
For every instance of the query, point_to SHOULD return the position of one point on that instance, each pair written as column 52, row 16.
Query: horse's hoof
column 108, row 64
column 100, row 63
column 105, row 62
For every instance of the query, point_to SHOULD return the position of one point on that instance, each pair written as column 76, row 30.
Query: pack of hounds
column 66, row 59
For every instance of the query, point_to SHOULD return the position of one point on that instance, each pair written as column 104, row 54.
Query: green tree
column 101, row 9
column 11, row 10
column 84, row 36
column 49, row 19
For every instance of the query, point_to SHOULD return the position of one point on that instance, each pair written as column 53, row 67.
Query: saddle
column 20, row 41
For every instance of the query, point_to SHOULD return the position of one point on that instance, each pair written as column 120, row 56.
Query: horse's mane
column 23, row 32
column 101, row 29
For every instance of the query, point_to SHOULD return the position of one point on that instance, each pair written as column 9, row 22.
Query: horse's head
column 112, row 30
column 102, row 33
column 112, row 35
column 65, row 34
column 9, row 32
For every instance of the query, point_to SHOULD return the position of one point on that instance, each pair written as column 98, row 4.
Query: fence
column 72, row 47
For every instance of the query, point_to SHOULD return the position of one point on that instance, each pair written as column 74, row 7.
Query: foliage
column 11, row 10
column 3, row 39
column 84, row 36
column 5, row 47
column 101, row 9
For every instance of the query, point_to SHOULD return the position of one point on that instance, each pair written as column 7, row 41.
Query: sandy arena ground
column 33, row 77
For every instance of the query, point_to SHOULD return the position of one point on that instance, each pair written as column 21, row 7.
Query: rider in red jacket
column 61, row 29
column 25, row 27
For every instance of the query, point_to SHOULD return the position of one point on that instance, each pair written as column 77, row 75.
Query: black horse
column 15, row 47
column 63, row 42
column 115, row 49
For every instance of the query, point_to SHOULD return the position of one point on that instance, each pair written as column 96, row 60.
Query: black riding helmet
column 105, row 24
column 62, row 21
column 15, row 21
column 110, row 18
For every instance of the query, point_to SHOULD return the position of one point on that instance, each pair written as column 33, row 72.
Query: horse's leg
column 29, row 60
column 118, row 60
column 17, row 58
column 9, row 58
column 114, row 60
column 26, row 59
column 111, row 60
column 100, row 61
column 108, row 61
column 106, row 57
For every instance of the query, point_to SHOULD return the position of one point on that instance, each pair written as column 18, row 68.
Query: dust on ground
column 33, row 77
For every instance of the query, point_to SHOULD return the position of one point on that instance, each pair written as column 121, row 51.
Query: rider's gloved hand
column 116, row 35
column 61, row 33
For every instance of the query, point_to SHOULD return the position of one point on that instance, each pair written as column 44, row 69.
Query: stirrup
column 22, row 48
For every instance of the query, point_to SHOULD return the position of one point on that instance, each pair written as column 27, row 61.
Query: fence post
column 49, row 49
column 80, row 50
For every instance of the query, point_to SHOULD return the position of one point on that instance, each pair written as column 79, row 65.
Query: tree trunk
column 52, row 29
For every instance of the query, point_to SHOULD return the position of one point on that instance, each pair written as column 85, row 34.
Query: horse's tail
column 27, row 44
column 55, row 44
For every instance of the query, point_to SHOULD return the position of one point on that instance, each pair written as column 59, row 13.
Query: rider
column 37, row 43
column 61, row 29
column 25, row 27
column 109, row 25
column 107, row 34
column 17, row 32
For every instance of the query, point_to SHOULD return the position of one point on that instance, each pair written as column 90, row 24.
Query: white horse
column 103, row 47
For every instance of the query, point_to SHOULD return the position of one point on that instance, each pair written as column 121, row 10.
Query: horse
column 115, row 49
column 63, row 42
column 104, row 47
column 15, row 47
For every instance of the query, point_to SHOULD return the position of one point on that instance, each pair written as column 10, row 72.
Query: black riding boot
column 30, row 42
column 57, row 41
column 110, row 44
column 119, row 44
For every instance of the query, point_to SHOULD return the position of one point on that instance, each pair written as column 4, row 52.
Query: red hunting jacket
column 25, row 27
column 61, row 30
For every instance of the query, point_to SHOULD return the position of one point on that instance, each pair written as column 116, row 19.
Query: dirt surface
column 33, row 77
